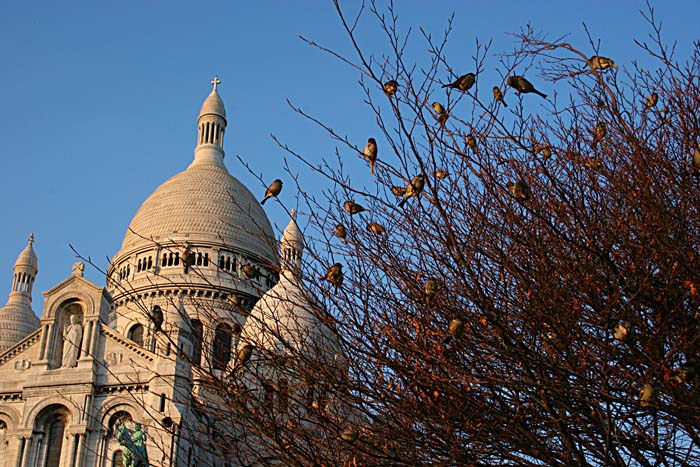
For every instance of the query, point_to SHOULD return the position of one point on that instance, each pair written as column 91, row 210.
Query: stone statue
column 78, row 269
column 72, row 337
column 134, row 446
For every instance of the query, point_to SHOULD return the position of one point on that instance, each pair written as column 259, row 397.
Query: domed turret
column 194, row 233
column 17, row 320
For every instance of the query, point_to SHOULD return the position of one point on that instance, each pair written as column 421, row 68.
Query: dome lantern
column 211, row 125
column 292, row 246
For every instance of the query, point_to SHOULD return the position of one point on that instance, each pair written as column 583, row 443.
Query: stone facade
column 99, row 357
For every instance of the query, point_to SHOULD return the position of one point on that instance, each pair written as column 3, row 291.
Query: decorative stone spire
column 17, row 320
column 211, row 126
column 292, row 246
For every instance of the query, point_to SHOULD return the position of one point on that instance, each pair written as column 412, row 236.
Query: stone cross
column 216, row 81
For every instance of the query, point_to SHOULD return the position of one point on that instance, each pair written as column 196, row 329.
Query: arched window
column 136, row 334
column 3, row 439
column 54, row 441
column 118, row 459
column 222, row 346
column 197, row 336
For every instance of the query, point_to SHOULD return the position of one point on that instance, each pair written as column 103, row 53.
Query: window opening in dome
column 197, row 336
column 136, row 334
column 177, row 259
column 222, row 346
column 150, row 262
column 206, row 259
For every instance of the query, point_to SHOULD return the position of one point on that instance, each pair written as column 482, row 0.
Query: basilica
column 112, row 375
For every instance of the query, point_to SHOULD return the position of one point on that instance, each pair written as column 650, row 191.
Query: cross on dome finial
column 293, row 213
column 216, row 81
column 31, row 239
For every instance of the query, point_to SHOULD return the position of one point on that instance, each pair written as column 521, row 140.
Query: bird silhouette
column 463, row 83
column 353, row 208
column 442, row 174
column 647, row 395
column 470, row 141
column 498, row 96
column 598, row 62
column 652, row 100
column 599, row 132
column 157, row 317
column 390, row 87
column 376, row 228
column 623, row 331
column 341, row 231
column 431, row 288
column 334, row 275
column 413, row 189
column 187, row 259
column 455, row 329
column 442, row 115
column 370, row 153
column 273, row 190
column 523, row 86
column 520, row 190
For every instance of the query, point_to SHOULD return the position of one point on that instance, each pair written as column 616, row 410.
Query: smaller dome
column 288, row 320
column 213, row 105
column 28, row 257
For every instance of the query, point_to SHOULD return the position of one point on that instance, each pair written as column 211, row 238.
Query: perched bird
column 375, row 228
column 545, row 150
column 592, row 163
column 370, row 152
column 442, row 174
column 652, row 100
column 463, row 83
column 696, row 161
column 622, row 331
column 455, row 329
column 431, row 288
column 350, row 434
column 250, row 271
column 244, row 354
column 601, row 63
column 353, row 208
column 188, row 260
column 334, row 275
column 599, row 132
column 470, row 141
column 520, row 190
column 157, row 317
column 413, row 189
column 273, row 190
column 398, row 190
column 498, row 96
column 390, row 87
column 523, row 86
column 647, row 396
column 442, row 115
column 341, row 231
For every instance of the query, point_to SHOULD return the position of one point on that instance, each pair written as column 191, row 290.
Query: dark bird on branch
column 463, row 83
column 273, row 190
column 157, row 317
column 390, row 87
column 413, row 189
column 334, row 275
column 523, row 86
column 498, row 96
column 442, row 115
column 652, row 100
column 341, row 231
column 598, row 62
column 520, row 190
column 370, row 153
column 353, row 208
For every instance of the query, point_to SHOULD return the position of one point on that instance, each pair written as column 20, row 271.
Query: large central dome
column 203, row 203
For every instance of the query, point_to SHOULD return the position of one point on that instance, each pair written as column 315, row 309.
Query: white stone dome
column 213, row 105
column 287, row 319
column 203, row 203
column 28, row 257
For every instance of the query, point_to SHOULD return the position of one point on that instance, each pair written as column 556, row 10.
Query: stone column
column 81, row 447
column 20, row 451
column 27, row 461
column 85, row 345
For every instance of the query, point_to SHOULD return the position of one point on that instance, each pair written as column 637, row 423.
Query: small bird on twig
column 187, row 260
column 652, row 100
column 398, row 190
column 598, row 62
column 599, row 132
column 523, row 86
column 455, row 329
column 463, row 83
column 353, row 208
column 390, row 87
column 470, row 141
column 370, row 153
column 376, row 228
column 520, row 190
column 334, row 275
column 696, row 161
column 442, row 174
column 341, row 231
column 157, row 317
column 431, row 288
column 413, row 189
column 273, row 190
column 442, row 114
column 498, row 96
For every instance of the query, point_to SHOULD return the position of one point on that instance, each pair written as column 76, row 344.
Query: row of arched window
column 22, row 282
column 144, row 264
column 211, row 133
column 124, row 272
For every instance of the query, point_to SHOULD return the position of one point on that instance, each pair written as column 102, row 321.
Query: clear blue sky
column 98, row 100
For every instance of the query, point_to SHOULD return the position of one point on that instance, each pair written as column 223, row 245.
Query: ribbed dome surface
column 205, row 203
column 213, row 105
column 28, row 257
